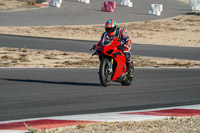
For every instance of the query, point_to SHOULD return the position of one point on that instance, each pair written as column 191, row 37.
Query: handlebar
column 91, row 49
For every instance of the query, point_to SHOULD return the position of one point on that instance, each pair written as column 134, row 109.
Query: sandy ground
column 14, row 5
column 22, row 57
column 170, row 125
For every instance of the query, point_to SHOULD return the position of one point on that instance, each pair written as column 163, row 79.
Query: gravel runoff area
column 180, row 31
column 7, row 5
column 29, row 58
column 169, row 125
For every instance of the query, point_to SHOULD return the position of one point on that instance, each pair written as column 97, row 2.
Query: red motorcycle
column 112, row 63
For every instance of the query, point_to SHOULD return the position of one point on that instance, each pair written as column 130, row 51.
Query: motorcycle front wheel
column 104, row 74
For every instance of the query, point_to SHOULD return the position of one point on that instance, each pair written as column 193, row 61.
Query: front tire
column 104, row 75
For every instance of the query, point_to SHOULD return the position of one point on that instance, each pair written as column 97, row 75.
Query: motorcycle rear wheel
column 128, row 80
column 103, row 72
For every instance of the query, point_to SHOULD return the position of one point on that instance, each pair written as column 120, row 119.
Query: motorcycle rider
column 111, row 30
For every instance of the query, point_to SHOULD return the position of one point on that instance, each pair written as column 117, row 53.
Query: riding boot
column 130, row 68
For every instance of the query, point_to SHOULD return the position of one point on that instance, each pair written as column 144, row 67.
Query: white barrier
column 84, row 1
column 195, row 5
column 126, row 3
column 155, row 9
column 55, row 3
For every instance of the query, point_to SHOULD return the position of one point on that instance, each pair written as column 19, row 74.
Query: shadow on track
column 194, row 13
column 52, row 82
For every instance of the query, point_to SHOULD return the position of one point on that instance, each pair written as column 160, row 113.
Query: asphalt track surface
column 84, row 46
column 74, row 13
column 33, row 93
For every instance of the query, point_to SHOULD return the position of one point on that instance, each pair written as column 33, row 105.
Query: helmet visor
column 110, row 30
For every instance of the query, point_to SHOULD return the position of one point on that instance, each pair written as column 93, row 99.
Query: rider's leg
column 129, row 63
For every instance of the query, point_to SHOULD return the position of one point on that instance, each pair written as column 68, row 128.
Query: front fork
column 110, row 66
column 110, row 70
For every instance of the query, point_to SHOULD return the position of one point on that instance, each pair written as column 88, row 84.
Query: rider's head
column 110, row 27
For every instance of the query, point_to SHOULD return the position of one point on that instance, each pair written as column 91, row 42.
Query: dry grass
column 2, row 4
column 31, row 2
column 6, row 57
column 81, row 126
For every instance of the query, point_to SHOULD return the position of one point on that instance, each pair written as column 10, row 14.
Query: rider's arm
column 125, row 39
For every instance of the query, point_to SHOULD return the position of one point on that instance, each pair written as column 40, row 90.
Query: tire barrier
column 195, row 5
column 55, row 3
column 109, row 6
column 155, row 9
column 127, row 3
column 84, row 1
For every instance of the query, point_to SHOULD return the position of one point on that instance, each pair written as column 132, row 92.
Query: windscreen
column 108, row 41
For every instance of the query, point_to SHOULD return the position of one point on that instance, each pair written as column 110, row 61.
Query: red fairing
column 116, row 54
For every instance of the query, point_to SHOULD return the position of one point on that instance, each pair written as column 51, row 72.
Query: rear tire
column 103, row 72
column 128, row 80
